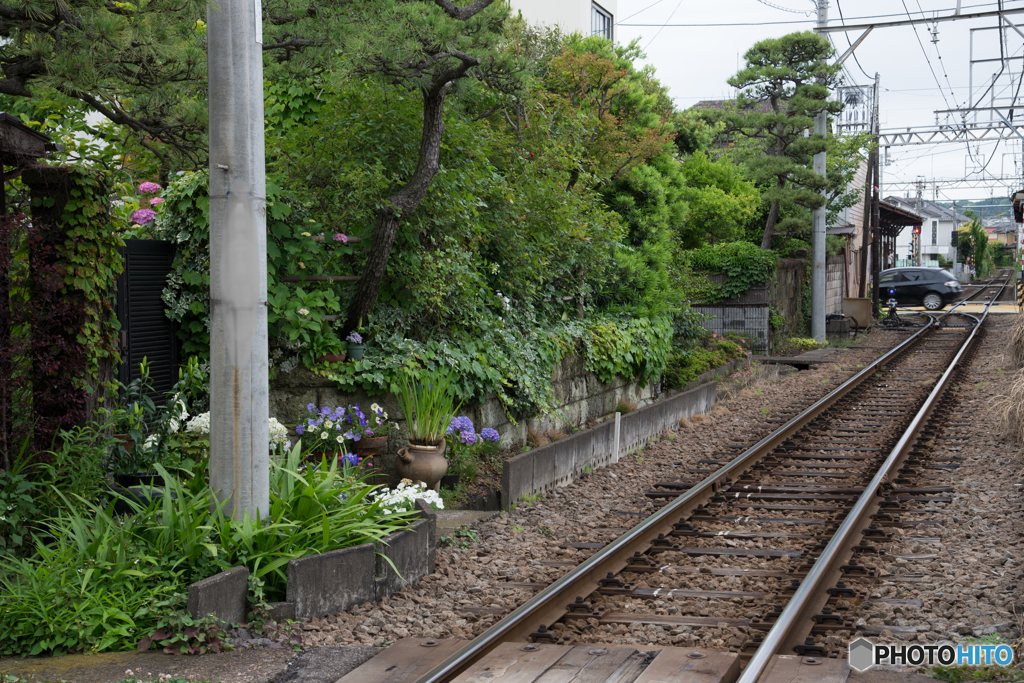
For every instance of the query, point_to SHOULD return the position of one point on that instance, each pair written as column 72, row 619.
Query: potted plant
column 356, row 347
column 325, row 431
column 428, row 403
column 368, row 433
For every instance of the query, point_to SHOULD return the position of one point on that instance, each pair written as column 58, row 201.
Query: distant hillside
column 994, row 210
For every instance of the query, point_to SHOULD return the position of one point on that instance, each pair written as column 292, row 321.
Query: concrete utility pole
column 867, row 235
column 239, row 410
column 818, row 220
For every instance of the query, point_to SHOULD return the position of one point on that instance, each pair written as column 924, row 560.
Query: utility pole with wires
column 239, row 391
column 818, row 219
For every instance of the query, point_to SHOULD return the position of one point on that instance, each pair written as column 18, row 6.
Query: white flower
column 323, row 435
column 338, row 438
column 375, row 408
column 328, row 424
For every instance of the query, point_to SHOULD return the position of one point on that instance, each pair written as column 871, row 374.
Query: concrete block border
column 558, row 463
column 328, row 583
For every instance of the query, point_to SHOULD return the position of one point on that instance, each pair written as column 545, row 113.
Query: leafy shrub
column 17, row 509
column 798, row 344
column 104, row 583
column 176, row 632
column 744, row 265
column 686, row 365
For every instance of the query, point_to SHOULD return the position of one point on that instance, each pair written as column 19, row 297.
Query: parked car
column 932, row 288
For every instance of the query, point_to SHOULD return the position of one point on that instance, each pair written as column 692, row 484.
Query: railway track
column 775, row 545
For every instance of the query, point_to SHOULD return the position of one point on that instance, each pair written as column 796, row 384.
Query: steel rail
column 808, row 598
column 549, row 604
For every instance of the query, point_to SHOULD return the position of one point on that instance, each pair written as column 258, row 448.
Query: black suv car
column 932, row 288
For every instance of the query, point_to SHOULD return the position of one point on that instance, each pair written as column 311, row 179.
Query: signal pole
column 818, row 220
column 239, row 406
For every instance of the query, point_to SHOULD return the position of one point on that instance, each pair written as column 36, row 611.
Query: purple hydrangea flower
column 144, row 216
column 355, row 338
column 149, row 187
column 467, row 437
column 156, row 201
column 489, row 434
column 340, row 237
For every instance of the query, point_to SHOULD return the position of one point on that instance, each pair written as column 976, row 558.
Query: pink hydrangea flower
column 149, row 188
column 144, row 216
column 303, row 311
column 340, row 237
column 156, row 201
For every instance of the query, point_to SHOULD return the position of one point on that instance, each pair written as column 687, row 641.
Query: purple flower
column 340, row 237
column 351, row 436
column 325, row 411
column 355, row 338
column 350, row 459
column 149, row 187
column 156, row 201
column 467, row 437
column 461, row 424
column 144, row 216
column 311, row 407
column 299, row 430
column 362, row 422
column 489, row 434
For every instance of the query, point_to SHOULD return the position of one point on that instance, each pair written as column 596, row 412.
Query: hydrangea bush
column 466, row 446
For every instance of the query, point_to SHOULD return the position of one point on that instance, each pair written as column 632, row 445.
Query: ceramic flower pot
column 331, row 358
column 425, row 464
column 355, row 351
column 367, row 447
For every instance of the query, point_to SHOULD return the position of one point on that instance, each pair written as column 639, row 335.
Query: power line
column 925, row 53
column 804, row 12
column 656, row 2
column 678, row 4
column 935, row 43
column 797, row 21
column 843, row 19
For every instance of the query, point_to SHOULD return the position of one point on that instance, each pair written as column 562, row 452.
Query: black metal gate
column 146, row 331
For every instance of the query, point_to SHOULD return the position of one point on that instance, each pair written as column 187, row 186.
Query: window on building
column 935, row 232
column 601, row 21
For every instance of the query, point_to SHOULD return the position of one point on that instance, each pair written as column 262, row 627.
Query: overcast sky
column 695, row 61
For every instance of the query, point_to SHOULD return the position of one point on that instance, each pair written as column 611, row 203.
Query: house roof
column 928, row 209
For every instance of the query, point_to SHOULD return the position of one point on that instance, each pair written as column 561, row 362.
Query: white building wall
column 571, row 16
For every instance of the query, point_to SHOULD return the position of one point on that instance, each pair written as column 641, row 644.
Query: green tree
column 426, row 48
column 784, row 84
column 720, row 201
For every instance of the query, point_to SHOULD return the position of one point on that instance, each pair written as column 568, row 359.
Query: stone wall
column 581, row 397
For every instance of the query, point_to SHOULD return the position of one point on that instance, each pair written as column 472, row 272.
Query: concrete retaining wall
column 581, row 398
column 324, row 584
column 562, row 461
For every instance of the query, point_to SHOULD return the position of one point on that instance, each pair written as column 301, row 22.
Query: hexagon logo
column 862, row 654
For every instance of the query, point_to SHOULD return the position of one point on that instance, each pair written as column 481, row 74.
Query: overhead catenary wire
column 794, row 21
column 850, row 42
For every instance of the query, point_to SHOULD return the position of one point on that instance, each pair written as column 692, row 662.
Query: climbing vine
column 744, row 265
column 92, row 262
